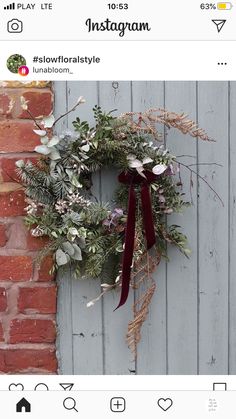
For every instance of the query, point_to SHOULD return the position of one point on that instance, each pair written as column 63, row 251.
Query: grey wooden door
column 191, row 325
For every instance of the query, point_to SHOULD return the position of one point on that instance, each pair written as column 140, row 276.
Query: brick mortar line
column 28, row 316
column 20, row 121
column 20, row 252
column 17, row 120
column 27, row 346
column 27, row 284
column 17, row 155
column 26, row 89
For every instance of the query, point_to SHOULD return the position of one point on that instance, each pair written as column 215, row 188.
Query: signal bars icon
column 11, row 6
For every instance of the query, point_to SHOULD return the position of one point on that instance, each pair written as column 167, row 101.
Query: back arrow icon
column 219, row 24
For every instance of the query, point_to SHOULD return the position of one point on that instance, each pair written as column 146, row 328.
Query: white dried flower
column 61, row 206
column 159, row 169
column 37, row 232
column 74, row 198
column 32, row 207
column 81, row 100
column 90, row 304
column 24, row 103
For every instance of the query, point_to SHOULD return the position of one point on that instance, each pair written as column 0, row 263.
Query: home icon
column 23, row 406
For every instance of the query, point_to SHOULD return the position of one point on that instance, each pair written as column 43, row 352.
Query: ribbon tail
column 129, row 247
column 148, row 221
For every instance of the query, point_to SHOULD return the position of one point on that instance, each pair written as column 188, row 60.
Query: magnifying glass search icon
column 70, row 404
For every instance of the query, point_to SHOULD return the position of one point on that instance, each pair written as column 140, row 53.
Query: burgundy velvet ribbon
column 133, row 179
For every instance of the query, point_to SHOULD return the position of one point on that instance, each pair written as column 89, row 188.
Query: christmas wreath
column 122, row 241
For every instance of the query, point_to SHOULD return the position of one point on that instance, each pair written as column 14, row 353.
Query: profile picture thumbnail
column 15, row 63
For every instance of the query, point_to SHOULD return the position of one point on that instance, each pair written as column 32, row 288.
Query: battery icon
column 224, row 6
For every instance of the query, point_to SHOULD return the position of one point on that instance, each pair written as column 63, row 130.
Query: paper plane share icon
column 67, row 386
column 219, row 24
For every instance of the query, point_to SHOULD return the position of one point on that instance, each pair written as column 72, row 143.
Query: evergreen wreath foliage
column 87, row 234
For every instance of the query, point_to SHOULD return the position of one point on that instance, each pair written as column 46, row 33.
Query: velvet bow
column 134, row 179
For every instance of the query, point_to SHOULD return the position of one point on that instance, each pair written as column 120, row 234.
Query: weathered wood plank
column 86, row 322
column 232, row 230
column 89, row 90
column 182, row 272
column 152, row 348
column 64, row 312
column 213, row 231
column 87, row 328
column 60, row 104
column 64, row 324
column 74, row 319
column 118, row 359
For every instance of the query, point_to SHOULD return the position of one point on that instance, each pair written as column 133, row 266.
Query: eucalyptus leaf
column 82, row 243
column 40, row 132
column 42, row 149
column 61, row 257
column 20, row 163
column 77, row 253
column 44, row 140
column 68, row 248
column 54, row 154
column 54, row 141
column 48, row 121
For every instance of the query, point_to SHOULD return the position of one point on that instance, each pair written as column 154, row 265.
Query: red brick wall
column 27, row 294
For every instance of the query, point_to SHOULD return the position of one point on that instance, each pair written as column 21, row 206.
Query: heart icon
column 165, row 404
column 16, row 387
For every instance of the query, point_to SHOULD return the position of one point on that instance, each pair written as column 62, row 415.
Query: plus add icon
column 117, row 404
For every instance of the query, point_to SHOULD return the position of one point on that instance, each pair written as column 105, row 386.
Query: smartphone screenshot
column 117, row 209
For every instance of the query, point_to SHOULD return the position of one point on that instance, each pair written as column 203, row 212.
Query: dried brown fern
column 147, row 121
column 143, row 270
